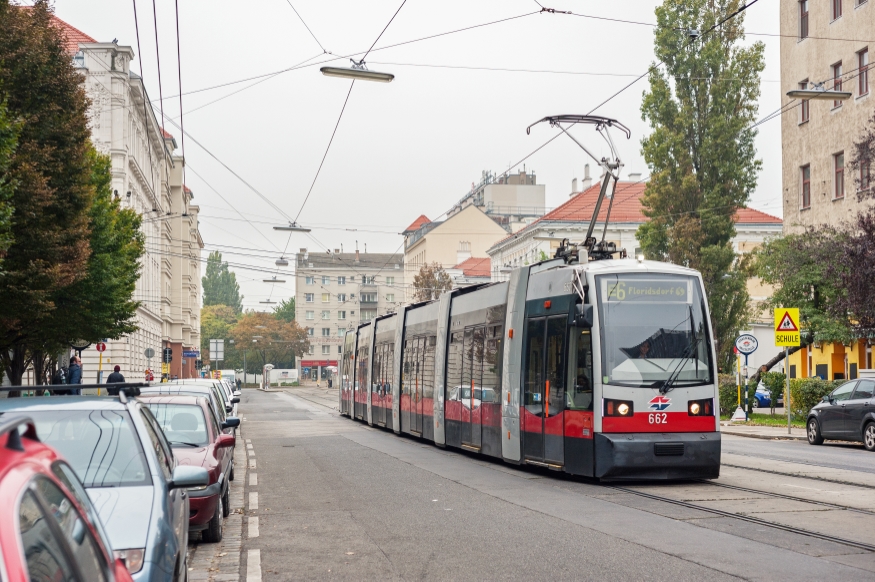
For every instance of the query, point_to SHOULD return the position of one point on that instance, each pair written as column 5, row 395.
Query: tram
column 587, row 363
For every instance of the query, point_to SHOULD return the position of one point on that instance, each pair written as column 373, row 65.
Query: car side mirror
column 225, row 441
column 825, row 398
column 186, row 476
column 231, row 422
column 583, row 316
column 228, row 408
column 235, row 400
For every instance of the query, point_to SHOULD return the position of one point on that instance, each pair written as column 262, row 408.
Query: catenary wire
column 179, row 72
column 158, row 60
column 298, row 14
column 383, row 31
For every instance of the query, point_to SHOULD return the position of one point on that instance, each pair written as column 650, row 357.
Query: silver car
column 120, row 454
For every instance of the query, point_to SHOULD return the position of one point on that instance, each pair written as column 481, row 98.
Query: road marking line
column 253, row 479
column 253, row 527
column 253, row 500
column 251, row 463
column 253, row 566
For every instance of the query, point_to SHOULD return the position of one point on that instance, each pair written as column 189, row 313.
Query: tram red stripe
column 674, row 422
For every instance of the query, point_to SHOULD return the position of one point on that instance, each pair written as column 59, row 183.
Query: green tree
column 701, row 153
column 220, row 284
column 430, row 282
column 285, row 311
column 268, row 340
column 216, row 323
column 50, row 176
column 9, row 130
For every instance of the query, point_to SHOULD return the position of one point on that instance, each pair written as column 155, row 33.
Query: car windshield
column 184, row 425
column 101, row 445
column 653, row 329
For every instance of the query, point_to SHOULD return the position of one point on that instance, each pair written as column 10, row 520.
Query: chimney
column 586, row 183
column 636, row 177
column 336, row 251
column 573, row 187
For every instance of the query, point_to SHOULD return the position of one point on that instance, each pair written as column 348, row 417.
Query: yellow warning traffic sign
column 786, row 326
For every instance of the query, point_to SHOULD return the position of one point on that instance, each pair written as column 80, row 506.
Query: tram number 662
column 657, row 418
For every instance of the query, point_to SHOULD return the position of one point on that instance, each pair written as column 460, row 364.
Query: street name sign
column 787, row 326
column 746, row 344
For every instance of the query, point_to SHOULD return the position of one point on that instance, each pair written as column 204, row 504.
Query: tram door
column 471, row 393
column 416, row 386
column 544, row 390
column 378, row 386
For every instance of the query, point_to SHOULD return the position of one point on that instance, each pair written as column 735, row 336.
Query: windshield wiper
column 669, row 382
column 184, row 443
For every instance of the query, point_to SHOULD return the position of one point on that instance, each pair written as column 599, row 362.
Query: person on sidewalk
column 114, row 378
column 75, row 375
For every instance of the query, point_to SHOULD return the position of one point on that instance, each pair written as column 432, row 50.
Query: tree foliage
column 430, row 282
column 220, row 284
column 9, row 130
column 51, row 180
column 285, row 310
column 268, row 339
column 216, row 323
column 701, row 153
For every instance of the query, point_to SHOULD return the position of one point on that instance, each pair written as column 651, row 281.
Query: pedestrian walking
column 114, row 378
column 75, row 375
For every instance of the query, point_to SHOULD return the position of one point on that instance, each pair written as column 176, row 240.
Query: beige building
column 817, row 135
column 147, row 176
column 465, row 234
column 336, row 291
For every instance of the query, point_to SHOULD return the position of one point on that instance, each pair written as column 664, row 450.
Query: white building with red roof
column 147, row 177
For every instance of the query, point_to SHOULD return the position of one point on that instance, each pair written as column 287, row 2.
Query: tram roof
column 632, row 265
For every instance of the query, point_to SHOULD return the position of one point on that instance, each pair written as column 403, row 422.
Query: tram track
column 788, row 497
column 751, row 519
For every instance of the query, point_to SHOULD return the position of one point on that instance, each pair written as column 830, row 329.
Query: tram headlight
column 703, row 407
column 618, row 408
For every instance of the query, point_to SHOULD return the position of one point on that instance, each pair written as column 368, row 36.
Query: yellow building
column 831, row 361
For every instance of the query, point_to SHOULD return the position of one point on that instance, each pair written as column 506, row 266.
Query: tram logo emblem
column 660, row 403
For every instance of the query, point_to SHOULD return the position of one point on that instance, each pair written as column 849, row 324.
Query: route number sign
column 786, row 326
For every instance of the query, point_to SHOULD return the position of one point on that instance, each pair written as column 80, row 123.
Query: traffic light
column 167, row 355
column 198, row 364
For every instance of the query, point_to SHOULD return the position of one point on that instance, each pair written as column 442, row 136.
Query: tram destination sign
column 787, row 326
column 620, row 290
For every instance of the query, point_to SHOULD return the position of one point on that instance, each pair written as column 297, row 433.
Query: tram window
column 492, row 365
column 580, row 371
column 428, row 367
column 534, row 365
column 556, row 329
column 454, row 365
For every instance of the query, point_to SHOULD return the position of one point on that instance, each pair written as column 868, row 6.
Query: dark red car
column 50, row 530
column 195, row 434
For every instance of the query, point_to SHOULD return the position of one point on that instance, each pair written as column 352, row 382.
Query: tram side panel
column 417, row 370
column 347, row 374
column 382, row 370
column 362, row 361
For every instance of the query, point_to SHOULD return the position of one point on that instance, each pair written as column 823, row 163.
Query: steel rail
column 790, row 497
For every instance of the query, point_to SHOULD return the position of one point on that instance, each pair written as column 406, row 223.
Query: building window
column 804, row 109
column 309, row 315
column 836, row 9
column 326, row 350
column 326, row 315
column 837, row 81
column 341, row 297
column 340, row 349
column 341, row 332
column 326, row 280
column 341, row 315
column 310, row 350
column 390, row 280
column 309, row 280
column 390, row 297
column 839, row 166
column 326, row 297
column 367, row 280
column 352, row 313
column 806, row 186
column 865, row 174
column 803, row 19
column 369, row 297
column 311, row 331
column 863, row 66
column 341, row 280
column 326, row 332
column 368, row 314
column 308, row 297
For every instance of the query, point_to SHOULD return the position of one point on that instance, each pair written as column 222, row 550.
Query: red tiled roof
column 165, row 134
column 423, row 219
column 72, row 36
column 751, row 216
column 475, row 267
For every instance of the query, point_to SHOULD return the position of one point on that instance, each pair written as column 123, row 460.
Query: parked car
column 58, row 535
column 119, row 452
column 763, row 398
column 194, row 432
column 223, row 389
column 847, row 414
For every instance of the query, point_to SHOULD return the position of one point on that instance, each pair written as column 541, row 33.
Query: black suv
column 846, row 414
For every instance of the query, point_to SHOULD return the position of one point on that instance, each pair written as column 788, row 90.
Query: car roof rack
column 10, row 423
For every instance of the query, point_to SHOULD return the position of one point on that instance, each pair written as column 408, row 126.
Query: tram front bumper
column 632, row 456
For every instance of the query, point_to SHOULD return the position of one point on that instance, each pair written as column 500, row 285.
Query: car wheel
column 869, row 436
column 213, row 533
column 231, row 474
column 226, row 502
column 814, row 436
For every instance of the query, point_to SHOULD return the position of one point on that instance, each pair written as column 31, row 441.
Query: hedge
column 805, row 393
column 729, row 393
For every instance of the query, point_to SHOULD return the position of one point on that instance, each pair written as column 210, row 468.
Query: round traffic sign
column 150, row 353
column 80, row 344
column 746, row 344
column 100, row 347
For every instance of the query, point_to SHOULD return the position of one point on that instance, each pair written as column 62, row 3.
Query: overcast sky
column 410, row 147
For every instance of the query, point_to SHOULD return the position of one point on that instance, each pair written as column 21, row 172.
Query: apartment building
column 336, row 291
column 823, row 45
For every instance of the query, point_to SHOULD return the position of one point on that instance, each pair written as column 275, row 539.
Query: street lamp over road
column 819, row 92
column 292, row 227
column 358, row 71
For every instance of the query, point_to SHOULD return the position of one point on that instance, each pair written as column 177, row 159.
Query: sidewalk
column 763, row 432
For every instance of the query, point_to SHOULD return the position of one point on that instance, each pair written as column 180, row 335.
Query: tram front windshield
column 653, row 330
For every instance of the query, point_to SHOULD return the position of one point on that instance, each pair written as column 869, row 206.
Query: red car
column 54, row 533
column 195, row 434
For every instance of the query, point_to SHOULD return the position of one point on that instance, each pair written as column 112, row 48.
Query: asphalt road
column 848, row 456
column 337, row 499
